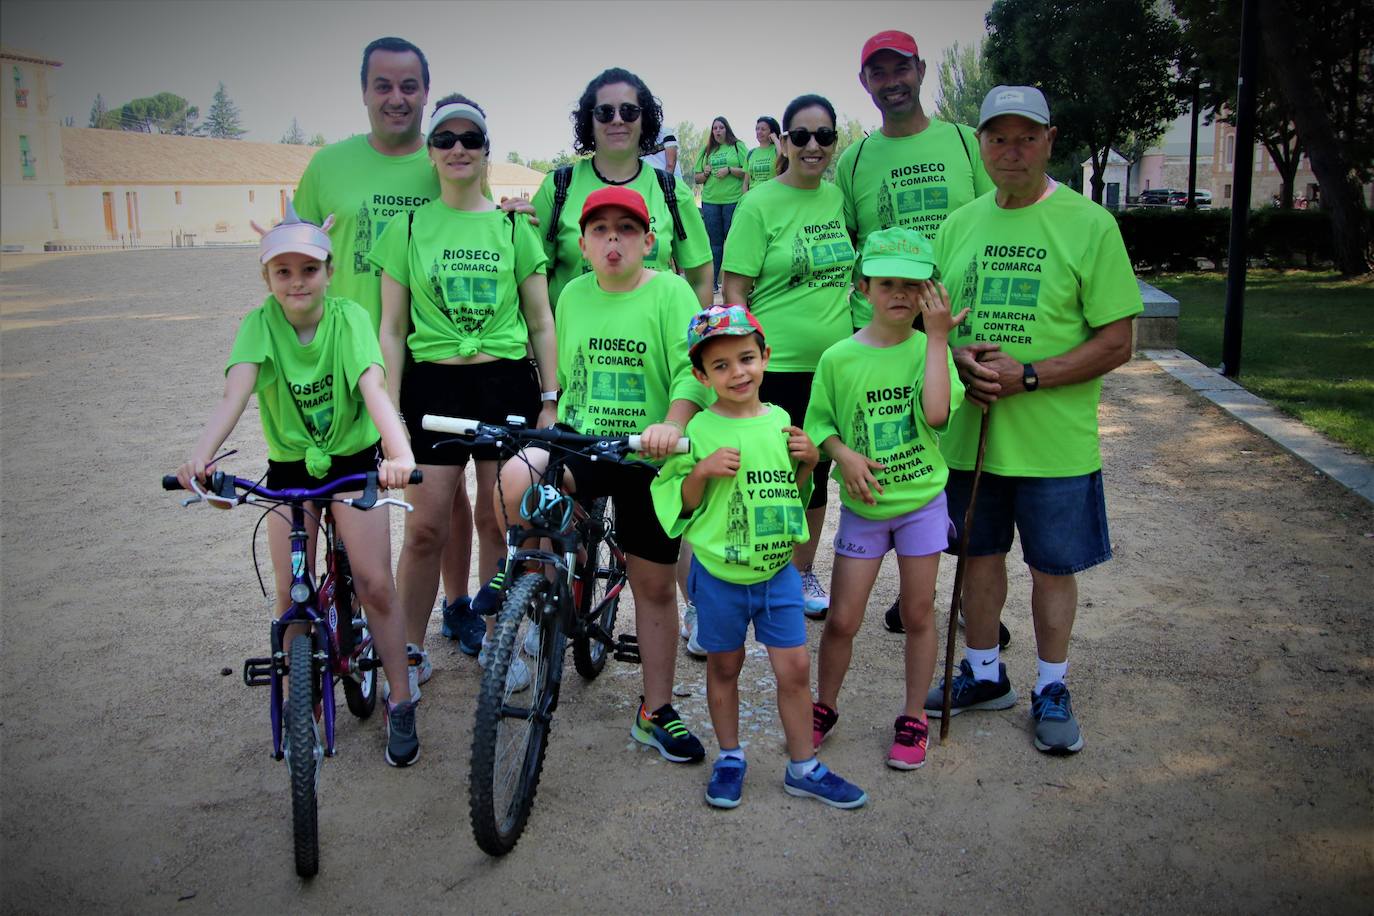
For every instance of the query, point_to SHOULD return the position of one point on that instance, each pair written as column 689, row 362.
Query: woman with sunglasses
column 789, row 256
column 762, row 159
column 721, row 168
column 463, row 296
column 617, row 120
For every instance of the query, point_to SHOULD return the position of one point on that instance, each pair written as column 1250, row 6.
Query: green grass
column 1307, row 347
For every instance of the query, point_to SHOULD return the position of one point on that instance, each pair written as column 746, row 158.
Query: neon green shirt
column 746, row 526
column 1039, row 279
column 565, row 258
column 912, row 182
column 725, row 190
column 794, row 242
column 870, row 397
column 622, row 357
column 464, row 270
column 762, row 161
column 308, row 395
column 365, row 191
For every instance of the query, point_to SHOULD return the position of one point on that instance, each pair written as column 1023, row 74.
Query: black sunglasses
column 800, row 136
column 606, row 113
column 447, row 139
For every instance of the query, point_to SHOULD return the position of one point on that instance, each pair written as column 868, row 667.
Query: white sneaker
column 693, row 646
column 517, row 675
column 689, row 620
column 817, row 601
column 532, row 642
column 417, row 674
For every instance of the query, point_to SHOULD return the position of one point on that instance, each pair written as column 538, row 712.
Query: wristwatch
column 1029, row 380
column 550, row 395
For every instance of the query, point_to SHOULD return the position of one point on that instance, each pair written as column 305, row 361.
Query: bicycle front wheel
column 602, row 572
column 514, row 713
column 304, row 756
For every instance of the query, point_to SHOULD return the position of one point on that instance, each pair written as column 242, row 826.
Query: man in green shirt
column 1052, row 294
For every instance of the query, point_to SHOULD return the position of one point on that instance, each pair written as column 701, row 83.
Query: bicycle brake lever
column 392, row 501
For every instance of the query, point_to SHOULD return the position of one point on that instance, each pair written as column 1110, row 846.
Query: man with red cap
column 912, row 173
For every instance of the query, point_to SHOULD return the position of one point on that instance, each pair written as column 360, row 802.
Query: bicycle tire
column 360, row 692
column 509, row 742
column 589, row 654
column 304, row 755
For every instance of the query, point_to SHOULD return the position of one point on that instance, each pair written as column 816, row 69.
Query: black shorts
column 792, row 392
column 636, row 524
column 292, row 475
column 489, row 392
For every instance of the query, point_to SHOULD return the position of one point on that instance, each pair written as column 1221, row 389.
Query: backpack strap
column 562, row 180
column 668, row 183
column 963, row 141
column 857, row 153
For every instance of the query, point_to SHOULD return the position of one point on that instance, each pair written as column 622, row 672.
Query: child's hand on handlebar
column 394, row 473
column 659, row 440
column 196, row 470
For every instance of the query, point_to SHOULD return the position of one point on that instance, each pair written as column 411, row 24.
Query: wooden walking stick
column 956, row 603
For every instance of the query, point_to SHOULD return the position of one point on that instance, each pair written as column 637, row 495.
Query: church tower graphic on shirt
column 362, row 241
column 886, row 219
column 436, row 287
column 968, row 296
column 736, row 528
column 575, row 396
column 859, row 433
column 799, row 263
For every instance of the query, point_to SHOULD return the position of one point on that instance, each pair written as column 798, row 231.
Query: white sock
column 1049, row 673
column 801, row 768
column 983, row 662
column 734, row 753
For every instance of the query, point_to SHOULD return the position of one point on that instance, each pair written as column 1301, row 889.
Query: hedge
column 1160, row 239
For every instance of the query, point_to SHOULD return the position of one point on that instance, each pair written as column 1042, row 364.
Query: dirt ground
column 1222, row 668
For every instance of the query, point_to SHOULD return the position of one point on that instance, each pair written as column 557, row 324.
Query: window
column 1230, row 151
column 178, row 194
column 107, row 201
column 21, row 95
column 26, row 159
column 1227, row 193
column 251, row 197
column 282, row 201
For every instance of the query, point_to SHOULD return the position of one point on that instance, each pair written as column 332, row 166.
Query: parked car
column 1155, row 197
column 1202, row 198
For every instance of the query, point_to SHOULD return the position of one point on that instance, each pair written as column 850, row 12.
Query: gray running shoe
column 1056, row 729
column 402, row 741
column 971, row 693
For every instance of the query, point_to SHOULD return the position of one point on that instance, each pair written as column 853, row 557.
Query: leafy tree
column 514, row 157
column 690, row 143
column 294, row 136
column 849, row 131
column 965, row 79
column 318, row 139
column 101, row 116
column 164, row 113
column 222, row 122
column 563, row 158
column 540, row 165
column 1107, row 67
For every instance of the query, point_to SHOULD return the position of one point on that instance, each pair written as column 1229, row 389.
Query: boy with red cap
column 739, row 498
column 622, row 371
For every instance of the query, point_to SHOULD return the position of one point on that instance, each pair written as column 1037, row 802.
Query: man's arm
column 989, row 374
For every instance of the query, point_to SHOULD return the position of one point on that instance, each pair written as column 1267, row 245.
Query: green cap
column 898, row 252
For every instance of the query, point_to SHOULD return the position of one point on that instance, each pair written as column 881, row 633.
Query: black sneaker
column 892, row 622
column 1056, row 729
column 402, row 741
column 665, row 731
column 971, row 693
column 488, row 599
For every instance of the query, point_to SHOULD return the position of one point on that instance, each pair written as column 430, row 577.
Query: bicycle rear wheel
column 511, row 731
column 304, row 756
column 360, row 690
column 602, row 572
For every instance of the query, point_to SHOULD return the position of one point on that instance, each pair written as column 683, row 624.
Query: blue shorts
column 1062, row 520
column 724, row 610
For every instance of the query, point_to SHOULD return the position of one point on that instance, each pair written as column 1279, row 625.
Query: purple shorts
column 918, row 533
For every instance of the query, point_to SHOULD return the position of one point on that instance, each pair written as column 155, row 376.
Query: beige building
column 1265, row 181
column 77, row 187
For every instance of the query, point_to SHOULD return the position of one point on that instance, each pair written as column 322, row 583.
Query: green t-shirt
column 795, row 243
column 746, row 525
column 365, row 191
column 1039, row 279
column 308, row 395
column 762, row 160
column 912, row 182
column 464, row 269
column 725, row 190
column 565, row 258
column 871, row 398
column 622, row 357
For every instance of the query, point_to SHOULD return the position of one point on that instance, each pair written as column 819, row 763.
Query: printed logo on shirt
column 886, row 421
column 371, row 220
column 994, row 291
column 593, row 398
column 771, row 521
column 822, row 256
column 315, row 401
column 1006, row 309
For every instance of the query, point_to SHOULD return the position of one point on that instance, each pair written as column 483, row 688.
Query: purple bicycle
column 337, row 649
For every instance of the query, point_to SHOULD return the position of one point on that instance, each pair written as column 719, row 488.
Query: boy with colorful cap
column 739, row 498
column 879, row 404
column 315, row 364
column 622, row 370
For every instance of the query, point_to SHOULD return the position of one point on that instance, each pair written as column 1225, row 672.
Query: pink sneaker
column 823, row 719
column 909, row 746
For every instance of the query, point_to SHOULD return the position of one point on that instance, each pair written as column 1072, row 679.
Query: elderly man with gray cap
column 1052, row 294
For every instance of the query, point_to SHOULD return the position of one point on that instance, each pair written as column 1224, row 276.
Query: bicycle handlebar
column 464, row 427
column 224, row 487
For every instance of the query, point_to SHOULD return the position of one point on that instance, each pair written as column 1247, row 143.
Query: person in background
column 762, row 159
column 664, row 154
column 720, row 168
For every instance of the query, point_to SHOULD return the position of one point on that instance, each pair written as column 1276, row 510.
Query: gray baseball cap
column 1026, row 101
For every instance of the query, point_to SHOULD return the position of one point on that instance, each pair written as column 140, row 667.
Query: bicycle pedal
column 627, row 649
column 257, row 672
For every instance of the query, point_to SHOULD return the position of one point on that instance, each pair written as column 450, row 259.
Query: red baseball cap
column 614, row 196
column 891, row 40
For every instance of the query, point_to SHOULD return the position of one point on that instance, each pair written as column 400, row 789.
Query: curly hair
column 650, row 118
column 457, row 98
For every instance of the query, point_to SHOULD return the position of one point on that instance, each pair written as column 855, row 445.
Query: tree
column 965, row 79
column 849, row 131
column 514, row 157
column 690, row 143
column 318, row 139
column 101, row 116
column 1107, row 67
column 294, row 135
column 164, row 113
column 222, row 122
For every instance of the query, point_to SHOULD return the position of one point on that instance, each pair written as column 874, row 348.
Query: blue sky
column 525, row 62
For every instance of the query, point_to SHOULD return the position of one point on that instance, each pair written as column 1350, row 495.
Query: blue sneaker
column 665, row 731
column 825, row 786
column 970, row 693
column 727, row 783
column 463, row 624
column 1056, row 729
column 488, row 599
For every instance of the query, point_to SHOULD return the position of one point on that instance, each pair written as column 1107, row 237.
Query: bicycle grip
column 684, row 445
column 170, row 482
column 417, row 476
column 457, row 425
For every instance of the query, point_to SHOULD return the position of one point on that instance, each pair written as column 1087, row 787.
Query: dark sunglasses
column 800, row 136
column 447, row 139
column 606, row 113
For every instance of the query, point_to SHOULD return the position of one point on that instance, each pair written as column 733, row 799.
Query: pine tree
column 295, row 136
column 223, row 121
column 100, row 115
